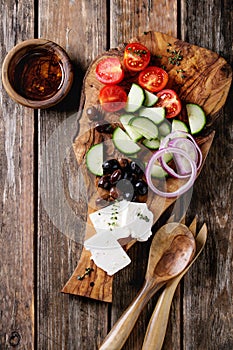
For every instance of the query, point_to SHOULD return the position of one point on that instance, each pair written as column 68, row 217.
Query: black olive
column 104, row 182
column 103, row 126
column 116, row 176
column 93, row 113
column 114, row 192
column 128, row 196
column 137, row 167
column 125, row 186
column 124, row 163
column 141, row 187
column 109, row 166
column 128, row 175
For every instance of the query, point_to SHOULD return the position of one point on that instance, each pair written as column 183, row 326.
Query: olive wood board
column 205, row 80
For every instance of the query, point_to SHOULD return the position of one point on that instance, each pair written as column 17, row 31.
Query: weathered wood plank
column 129, row 19
column 64, row 321
column 208, row 291
column 16, row 195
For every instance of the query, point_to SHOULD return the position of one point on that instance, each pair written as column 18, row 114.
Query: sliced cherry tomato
column 136, row 57
column 109, row 71
column 153, row 78
column 112, row 98
column 170, row 100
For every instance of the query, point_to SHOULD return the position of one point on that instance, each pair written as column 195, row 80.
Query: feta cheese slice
column 140, row 221
column 106, row 252
column 112, row 218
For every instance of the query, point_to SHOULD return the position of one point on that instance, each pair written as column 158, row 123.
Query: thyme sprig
column 87, row 272
column 143, row 217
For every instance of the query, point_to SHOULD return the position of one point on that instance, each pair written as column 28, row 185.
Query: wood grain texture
column 65, row 322
column 207, row 300
column 16, row 195
column 203, row 319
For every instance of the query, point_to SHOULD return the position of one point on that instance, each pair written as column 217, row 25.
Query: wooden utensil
column 156, row 329
column 207, row 82
column 172, row 248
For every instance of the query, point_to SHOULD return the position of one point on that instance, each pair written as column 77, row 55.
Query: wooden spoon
column 171, row 250
column 156, row 329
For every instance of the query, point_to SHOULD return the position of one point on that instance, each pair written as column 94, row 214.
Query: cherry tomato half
column 112, row 98
column 153, row 78
column 170, row 100
column 136, row 57
column 109, row 71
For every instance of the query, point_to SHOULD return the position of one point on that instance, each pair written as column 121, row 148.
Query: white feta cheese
column 107, row 253
column 119, row 220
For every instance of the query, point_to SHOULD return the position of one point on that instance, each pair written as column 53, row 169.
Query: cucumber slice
column 131, row 131
column 196, row 117
column 150, row 99
column 156, row 114
column 145, row 126
column 178, row 125
column 135, row 98
column 95, row 159
column 158, row 172
column 165, row 128
column 151, row 144
column 125, row 118
column 124, row 143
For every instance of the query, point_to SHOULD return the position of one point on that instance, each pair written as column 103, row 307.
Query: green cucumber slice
column 156, row 114
column 158, row 172
column 145, row 126
column 196, row 117
column 135, row 98
column 124, row 143
column 131, row 131
column 150, row 99
column 125, row 118
column 178, row 125
column 165, row 128
column 151, row 144
column 95, row 159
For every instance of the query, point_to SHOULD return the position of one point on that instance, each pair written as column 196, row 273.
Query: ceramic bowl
column 37, row 73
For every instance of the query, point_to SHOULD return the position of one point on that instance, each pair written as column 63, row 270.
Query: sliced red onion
column 158, row 155
column 172, row 135
column 183, row 166
column 169, row 140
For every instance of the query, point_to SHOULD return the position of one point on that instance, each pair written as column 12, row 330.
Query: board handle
column 90, row 281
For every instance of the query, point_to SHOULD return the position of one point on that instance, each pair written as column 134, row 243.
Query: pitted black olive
column 124, row 163
column 116, row 176
column 94, row 114
column 137, row 168
column 128, row 175
column 104, row 182
column 104, row 127
column 114, row 192
column 109, row 166
column 128, row 196
column 125, row 186
column 141, row 187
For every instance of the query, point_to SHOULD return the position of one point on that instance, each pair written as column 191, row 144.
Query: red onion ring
column 183, row 188
column 178, row 134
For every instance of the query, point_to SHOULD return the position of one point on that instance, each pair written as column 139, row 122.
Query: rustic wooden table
column 36, row 258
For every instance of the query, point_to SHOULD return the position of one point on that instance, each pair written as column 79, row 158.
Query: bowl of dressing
column 37, row 73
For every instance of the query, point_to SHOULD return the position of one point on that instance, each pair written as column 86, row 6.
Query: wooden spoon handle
column 118, row 335
column 156, row 329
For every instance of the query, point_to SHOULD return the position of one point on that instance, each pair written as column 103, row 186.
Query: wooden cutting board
column 203, row 77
